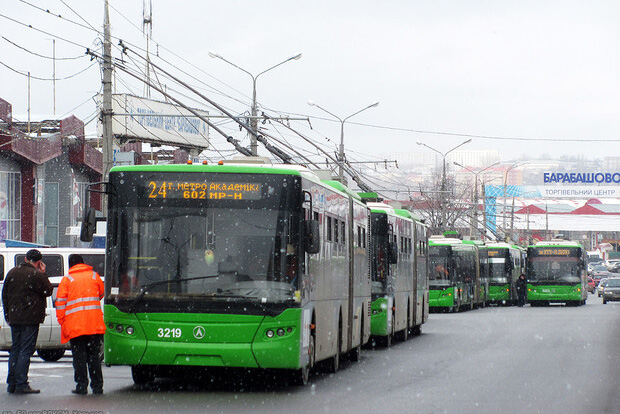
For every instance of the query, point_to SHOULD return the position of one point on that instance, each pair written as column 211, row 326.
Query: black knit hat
column 34, row 255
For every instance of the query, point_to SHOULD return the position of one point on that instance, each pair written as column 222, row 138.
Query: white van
column 56, row 261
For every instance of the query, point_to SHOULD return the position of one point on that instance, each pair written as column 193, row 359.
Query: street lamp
column 475, row 203
column 342, row 121
column 253, row 119
column 443, row 177
column 515, row 165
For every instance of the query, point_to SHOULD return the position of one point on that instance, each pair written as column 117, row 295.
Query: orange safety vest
column 78, row 303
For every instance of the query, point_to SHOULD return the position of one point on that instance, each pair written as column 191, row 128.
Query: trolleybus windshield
column 172, row 246
column 380, row 264
column 552, row 264
column 499, row 269
column 440, row 266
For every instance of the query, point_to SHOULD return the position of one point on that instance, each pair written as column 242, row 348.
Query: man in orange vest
column 78, row 309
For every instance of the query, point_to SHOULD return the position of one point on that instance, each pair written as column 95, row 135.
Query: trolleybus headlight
column 280, row 331
column 111, row 325
column 129, row 330
column 119, row 328
column 270, row 333
column 289, row 329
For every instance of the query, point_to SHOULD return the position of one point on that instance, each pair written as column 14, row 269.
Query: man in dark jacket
column 23, row 298
column 521, row 290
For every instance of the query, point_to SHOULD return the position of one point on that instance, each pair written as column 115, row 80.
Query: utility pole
column 106, row 113
column 54, row 72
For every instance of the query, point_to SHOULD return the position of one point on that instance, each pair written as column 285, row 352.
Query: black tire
column 604, row 302
column 301, row 376
column 142, row 374
column 51, row 355
column 334, row 361
column 355, row 354
column 417, row 330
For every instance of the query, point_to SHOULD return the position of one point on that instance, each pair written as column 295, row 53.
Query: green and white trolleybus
column 233, row 265
column 556, row 272
column 399, row 272
column 505, row 266
column 454, row 274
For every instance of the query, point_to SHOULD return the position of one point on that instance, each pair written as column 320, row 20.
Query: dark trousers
column 24, row 339
column 521, row 300
column 85, row 350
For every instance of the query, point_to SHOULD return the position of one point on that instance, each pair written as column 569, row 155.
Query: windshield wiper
column 145, row 288
column 267, row 310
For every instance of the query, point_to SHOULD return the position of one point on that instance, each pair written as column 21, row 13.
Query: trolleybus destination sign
column 206, row 190
column 554, row 251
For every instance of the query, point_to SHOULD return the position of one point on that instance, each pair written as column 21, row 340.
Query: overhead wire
column 43, row 56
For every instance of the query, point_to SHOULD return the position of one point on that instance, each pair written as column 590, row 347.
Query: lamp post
column 475, row 198
column 253, row 119
column 342, row 121
column 443, row 177
column 515, row 165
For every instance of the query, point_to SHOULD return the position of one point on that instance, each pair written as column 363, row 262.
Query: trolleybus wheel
column 417, row 330
column 334, row 363
column 604, row 302
column 142, row 375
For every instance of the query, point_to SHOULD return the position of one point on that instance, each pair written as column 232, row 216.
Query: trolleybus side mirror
column 393, row 253
column 89, row 224
column 312, row 239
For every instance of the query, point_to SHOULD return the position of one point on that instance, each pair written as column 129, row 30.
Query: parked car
column 591, row 285
column 611, row 291
column 611, row 263
column 614, row 267
column 599, row 272
column 601, row 286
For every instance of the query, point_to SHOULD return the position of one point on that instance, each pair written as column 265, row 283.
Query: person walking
column 78, row 310
column 521, row 290
column 23, row 299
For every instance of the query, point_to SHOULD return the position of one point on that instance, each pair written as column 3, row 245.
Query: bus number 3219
column 169, row 332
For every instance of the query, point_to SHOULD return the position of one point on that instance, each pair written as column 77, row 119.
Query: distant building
column 45, row 168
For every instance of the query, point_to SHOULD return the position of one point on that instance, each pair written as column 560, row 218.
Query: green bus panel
column 379, row 318
column 441, row 298
column 499, row 293
column 554, row 293
column 203, row 339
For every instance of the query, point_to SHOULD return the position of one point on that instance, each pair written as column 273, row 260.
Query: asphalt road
column 514, row 360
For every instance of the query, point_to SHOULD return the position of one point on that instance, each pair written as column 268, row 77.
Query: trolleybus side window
column 1, row 267
column 329, row 228
column 336, row 231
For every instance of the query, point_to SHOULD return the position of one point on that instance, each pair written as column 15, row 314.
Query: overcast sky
column 546, row 70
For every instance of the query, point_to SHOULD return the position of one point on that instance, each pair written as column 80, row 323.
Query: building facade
column 45, row 168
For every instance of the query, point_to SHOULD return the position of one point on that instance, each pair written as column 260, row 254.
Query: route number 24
column 169, row 332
